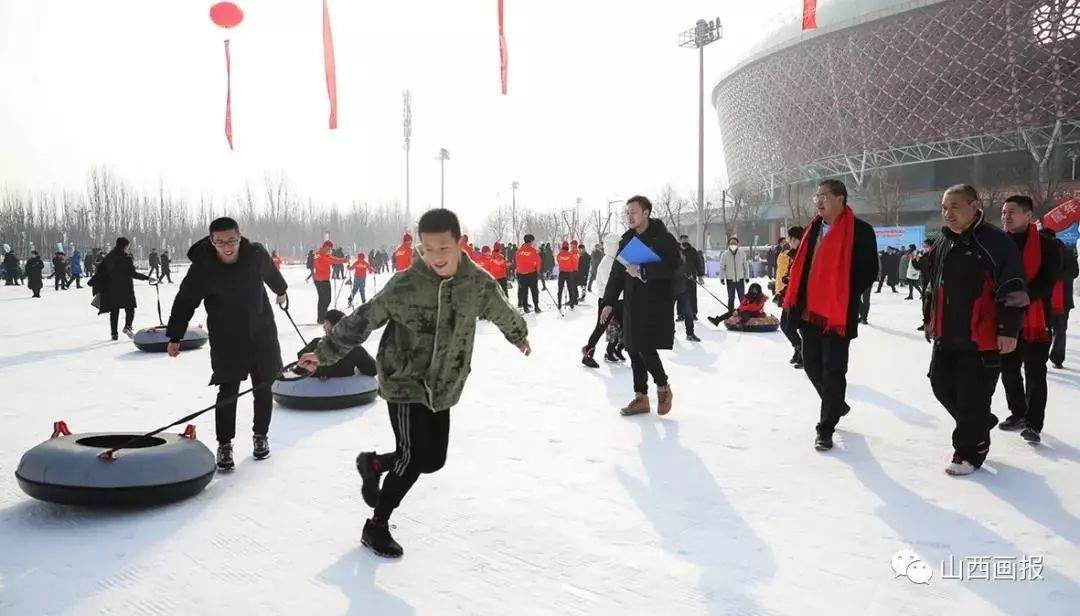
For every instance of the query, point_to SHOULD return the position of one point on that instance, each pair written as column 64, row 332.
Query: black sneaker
column 692, row 338
column 365, row 465
column 619, row 354
column 527, row 310
column 823, row 443
column 611, row 358
column 589, row 362
column 1012, row 423
column 1031, row 435
column 1057, row 365
column 376, row 536
column 714, row 320
column 537, row 310
column 224, row 457
column 794, row 358
column 798, row 363
column 261, row 450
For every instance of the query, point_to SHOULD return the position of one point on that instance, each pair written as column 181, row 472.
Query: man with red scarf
column 975, row 300
column 1026, row 395
column 836, row 262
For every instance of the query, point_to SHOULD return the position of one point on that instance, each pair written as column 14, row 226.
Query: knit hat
column 566, row 245
column 529, row 238
column 485, row 249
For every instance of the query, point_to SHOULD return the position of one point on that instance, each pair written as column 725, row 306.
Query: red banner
column 228, row 95
column 809, row 15
column 1063, row 215
column 328, row 61
column 503, row 55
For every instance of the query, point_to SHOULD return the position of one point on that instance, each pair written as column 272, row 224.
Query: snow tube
column 326, row 394
column 154, row 340
column 767, row 323
column 159, row 469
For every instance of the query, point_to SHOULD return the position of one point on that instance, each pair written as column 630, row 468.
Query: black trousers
column 684, row 307
column 114, row 318
column 502, row 285
column 692, row 291
column 421, row 436
column 601, row 325
column 644, row 363
column 913, row 284
column 1026, row 394
column 77, row 279
column 165, row 274
column 527, row 284
column 964, row 383
column 225, row 415
column 789, row 325
column 568, row 280
column 1060, row 325
column 154, row 269
column 864, row 304
column 59, row 282
column 825, row 359
column 323, row 289
column 735, row 287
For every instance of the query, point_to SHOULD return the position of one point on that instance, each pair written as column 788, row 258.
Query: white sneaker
column 959, row 467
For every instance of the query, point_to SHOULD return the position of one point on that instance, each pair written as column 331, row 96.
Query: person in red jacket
column 496, row 266
column 403, row 254
column 275, row 259
column 324, row 261
column 752, row 305
column 469, row 249
column 567, row 262
column 483, row 258
column 360, row 269
column 527, row 263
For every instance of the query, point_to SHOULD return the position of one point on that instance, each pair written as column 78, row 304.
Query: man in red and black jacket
column 973, row 308
column 1041, row 259
column 835, row 263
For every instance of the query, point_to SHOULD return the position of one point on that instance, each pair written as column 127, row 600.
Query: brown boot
column 663, row 400
column 640, row 404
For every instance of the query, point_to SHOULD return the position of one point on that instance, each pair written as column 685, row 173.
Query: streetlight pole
column 703, row 33
column 513, row 194
column 442, row 157
column 407, row 126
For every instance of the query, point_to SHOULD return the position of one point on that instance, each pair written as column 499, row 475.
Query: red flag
column 503, row 55
column 228, row 96
column 1065, row 214
column 328, row 60
column 809, row 15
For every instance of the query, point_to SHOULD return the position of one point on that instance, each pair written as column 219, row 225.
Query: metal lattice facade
column 954, row 79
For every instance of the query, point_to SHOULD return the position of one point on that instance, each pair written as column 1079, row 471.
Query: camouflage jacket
column 426, row 350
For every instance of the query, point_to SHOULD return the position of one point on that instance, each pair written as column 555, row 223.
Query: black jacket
column 59, row 266
column 1069, row 272
column 694, row 265
column 648, row 317
column 584, row 262
column 238, row 314
column 154, row 258
column 864, row 269
column 357, row 360
column 34, row 266
column 114, row 280
column 165, row 260
column 967, row 270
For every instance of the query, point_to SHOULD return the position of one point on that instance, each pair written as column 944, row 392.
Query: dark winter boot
column 224, row 457
column 619, row 352
column 366, row 465
column 610, row 356
column 691, row 337
column 376, row 537
column 587, row 358
column 1012, row 423
column 797, row 361
column 823, row 442
column 261, row 450
column 1031, row 435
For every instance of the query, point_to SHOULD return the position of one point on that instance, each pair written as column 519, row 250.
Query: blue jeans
column 358, row 285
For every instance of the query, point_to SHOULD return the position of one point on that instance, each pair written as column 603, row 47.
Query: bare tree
column 885, row 195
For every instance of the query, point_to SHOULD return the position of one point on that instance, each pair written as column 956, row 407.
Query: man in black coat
column 59, row 263
column 1060, row 323
column 227, row 275
column 114, row 282
column 11, row 269
column 34, row 267
column 694, row 263
column 826, row 338
column 165, row 264
column 584, row 266
column 648, row 319
column 155, row 264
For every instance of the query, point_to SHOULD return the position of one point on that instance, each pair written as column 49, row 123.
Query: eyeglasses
column 226, row 243
column 816, row 197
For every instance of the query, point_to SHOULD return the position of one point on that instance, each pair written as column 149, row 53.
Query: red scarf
column 1034, row 327
column 829, row 284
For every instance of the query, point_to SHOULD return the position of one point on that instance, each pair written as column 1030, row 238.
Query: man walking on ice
column 430, row 312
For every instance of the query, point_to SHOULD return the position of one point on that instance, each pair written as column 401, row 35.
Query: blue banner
column 1069, row 235
column 899, row 237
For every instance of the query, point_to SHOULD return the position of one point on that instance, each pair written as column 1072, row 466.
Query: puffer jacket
column 603, row 271
column 425, row 354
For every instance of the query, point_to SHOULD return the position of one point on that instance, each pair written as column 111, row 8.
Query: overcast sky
column 602, row 100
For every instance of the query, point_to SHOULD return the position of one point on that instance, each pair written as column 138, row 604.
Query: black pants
column 964, row 383
column 421, row 436
column 864, row 304
column 527, row 283
column 1026, row 395
column 735, row 287
column 77, row 279
column 825, row 359
column 684, row 307
column 165, row 274
column 790, row 326
column 644, row 363
column 568, row 280
column 692, row 291
column 58, row 282
column 1060, row 325
column 913, row 284
column 114, row 318
column 154, row 269
column 601, row 325
column 502, row 285
column 323, row 289
column 225, row 415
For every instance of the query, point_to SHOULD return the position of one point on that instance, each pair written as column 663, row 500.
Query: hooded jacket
column 425, row 354
column 607, row 259
column 403, row 254
column 238, row 314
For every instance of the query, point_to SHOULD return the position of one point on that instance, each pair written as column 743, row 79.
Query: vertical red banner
column 328, row 60
column 228, row 96
column 504, row 59
column 809, row 15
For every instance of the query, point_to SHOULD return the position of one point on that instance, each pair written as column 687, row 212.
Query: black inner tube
column 108, row 441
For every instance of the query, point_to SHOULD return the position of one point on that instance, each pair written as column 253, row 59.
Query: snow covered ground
column 550, row 503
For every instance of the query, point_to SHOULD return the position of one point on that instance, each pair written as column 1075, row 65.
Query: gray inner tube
column 326, row 394
column 153, row 470
column 154, row 340
column 754, row 325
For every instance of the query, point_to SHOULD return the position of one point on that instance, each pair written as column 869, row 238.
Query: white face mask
column 733, row 247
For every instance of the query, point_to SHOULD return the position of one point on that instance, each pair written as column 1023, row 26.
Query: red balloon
column 226, row 14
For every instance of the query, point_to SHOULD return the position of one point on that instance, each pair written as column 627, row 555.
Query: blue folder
column 637, row 253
